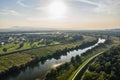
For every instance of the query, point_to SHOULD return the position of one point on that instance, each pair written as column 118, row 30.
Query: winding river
column 40, row 69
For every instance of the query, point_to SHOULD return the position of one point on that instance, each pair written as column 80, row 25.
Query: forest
column 105, row 67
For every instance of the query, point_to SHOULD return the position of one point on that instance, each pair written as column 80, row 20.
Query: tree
column 51, row 75
column 102, row 76
column 72, row 60
column 107, row 66
column 5, row 49
column 21, row 45
column 78, row 59
column 90, row 76
column 91, row 67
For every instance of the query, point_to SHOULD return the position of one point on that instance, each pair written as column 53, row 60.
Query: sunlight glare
column 57, row 9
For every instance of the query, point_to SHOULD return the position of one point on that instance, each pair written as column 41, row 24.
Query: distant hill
column 116, row 30
column 19, row 28
column 27, row 28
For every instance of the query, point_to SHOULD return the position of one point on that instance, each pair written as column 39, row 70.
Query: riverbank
column 64, row 71
column 78, row 73
column 31, row 57
column 104, row 64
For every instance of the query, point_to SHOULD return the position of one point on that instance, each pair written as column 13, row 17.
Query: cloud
column 89, row 2
column 105, row 6
column 21, row 3
column 41, row 8
column 108, row 7
column 38, row 18
column 9, row 12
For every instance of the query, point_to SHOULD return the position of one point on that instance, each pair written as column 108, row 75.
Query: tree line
column 64, row 71
column 105, row 67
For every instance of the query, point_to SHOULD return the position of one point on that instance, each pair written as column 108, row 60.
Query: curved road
column 83, row 65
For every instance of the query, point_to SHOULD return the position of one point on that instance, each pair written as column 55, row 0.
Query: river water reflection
column 39, row 70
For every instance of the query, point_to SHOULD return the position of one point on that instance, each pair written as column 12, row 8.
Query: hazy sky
column 60, row 14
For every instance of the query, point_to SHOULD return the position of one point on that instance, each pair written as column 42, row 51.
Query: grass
column 12, row 47
column 21, row 58
column 9, row 61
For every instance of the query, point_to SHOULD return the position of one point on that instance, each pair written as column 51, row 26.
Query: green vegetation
column 64, row 72
column 22, row 58
column 19, row 51
column 5, row 49
column 16, row 59
column 106, row 66
column 111, row 41
column 11, row 43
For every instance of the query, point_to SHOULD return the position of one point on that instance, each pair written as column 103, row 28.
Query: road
column 83, row 65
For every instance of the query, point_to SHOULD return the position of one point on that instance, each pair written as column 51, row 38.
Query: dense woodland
column 105, row 67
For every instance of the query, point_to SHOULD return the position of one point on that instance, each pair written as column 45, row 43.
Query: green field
column 22, row 58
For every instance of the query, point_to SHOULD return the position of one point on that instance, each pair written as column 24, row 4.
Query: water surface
column 39, row 70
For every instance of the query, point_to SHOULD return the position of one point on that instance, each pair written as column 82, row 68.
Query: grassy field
column 22, row 58
column 11, row 47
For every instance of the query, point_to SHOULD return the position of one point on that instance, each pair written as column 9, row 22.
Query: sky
column 60, row 14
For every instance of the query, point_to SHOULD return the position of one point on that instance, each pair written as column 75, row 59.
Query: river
column 40, row 69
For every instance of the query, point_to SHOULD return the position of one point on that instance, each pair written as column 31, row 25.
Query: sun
column 57, row 9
